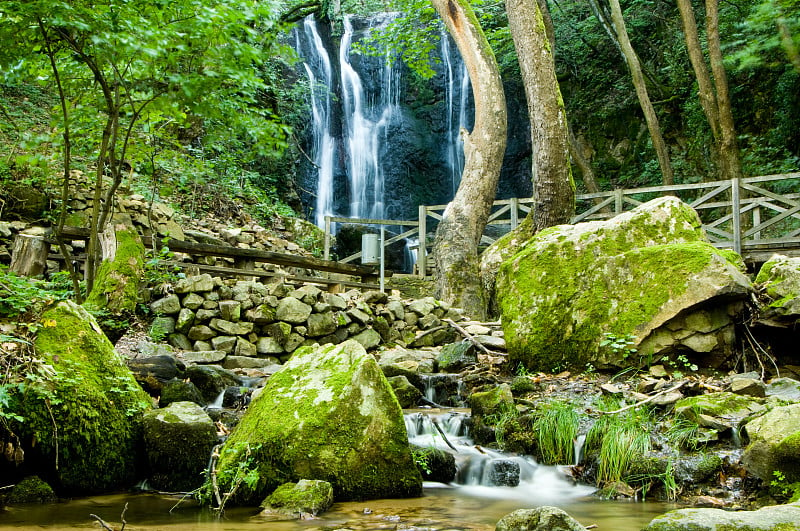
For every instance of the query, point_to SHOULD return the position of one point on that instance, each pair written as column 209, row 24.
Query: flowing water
column 472, row 502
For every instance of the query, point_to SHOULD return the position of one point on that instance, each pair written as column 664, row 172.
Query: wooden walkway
column 755, row 216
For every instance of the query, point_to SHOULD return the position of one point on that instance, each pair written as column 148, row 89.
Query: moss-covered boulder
column 178, row 440
column 544, row 518
column 407, row 395
column 297, row 500
column 721, row 410
column 456, row 357
column 328, row 414
column 774, row 444
column 82, row 416
column 632, row 276
column 779, row 279
column 116, row 285
column 774, row 518
column 31, row 490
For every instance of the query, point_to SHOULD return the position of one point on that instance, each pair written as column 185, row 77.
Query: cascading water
column 488, row 472
column 456, row 86
column 318, row 69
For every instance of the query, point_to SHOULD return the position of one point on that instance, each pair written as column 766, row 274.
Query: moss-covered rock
column 328, row 414
column 435, row 464
column 456, row 357
column 626, row 277
column 774, row 444
column 719, row 410
column 31, row 490
column 82, row 425
column 775, row 518
column 116, row 285
column 407, row 395
column 295, row 500
column 544, row 518
column 178, row 440
column 779, row 279
column 494, row 402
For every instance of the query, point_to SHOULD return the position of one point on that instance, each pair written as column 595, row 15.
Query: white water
column 456, row 85
column 318, row 69
column 544, row 484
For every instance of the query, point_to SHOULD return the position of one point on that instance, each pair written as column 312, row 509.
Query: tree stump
column 29, row 255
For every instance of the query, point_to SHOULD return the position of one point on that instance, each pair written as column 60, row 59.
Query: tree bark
column 553, row 187
column 459, row 232
column 632, row 59
column 29, row 255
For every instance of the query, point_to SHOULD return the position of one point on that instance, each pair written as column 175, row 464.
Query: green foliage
column 245, row 472
column 158, row 271
column 420, row 457
column 769, row 34
column 554, row 429
column 618, row 440
column 619, row 344
column 782, row 490
column 683, row 433
column 23, row 295
column 680, row 365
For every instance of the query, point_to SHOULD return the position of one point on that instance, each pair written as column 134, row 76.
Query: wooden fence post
column 326, row 253
column 422, row 258
column 736, row 205
column 618, row 194
column 514, row 204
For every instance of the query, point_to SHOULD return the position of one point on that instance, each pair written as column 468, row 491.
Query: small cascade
column 217, row 403
column 484, row 471
column 444, row 389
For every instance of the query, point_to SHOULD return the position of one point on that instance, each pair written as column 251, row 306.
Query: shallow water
column 442, row 508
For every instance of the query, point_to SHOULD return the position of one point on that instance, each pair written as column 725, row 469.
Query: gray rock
column 544, row 518
column 308, row 294
column 224, row 343
column 269, row 345
column 397, row 309
column 369, row 338
column 775, row 518
column 422, row 307
column 193, row 301
column 375, row 297
column 321, row 324
column 200, row 333
column 504, row 472
column 261, row 314
column 230, row 310
column 748, row 386
column 784, row 388
column 359, row 316
column 166, row 306
column 297, row 500
column 293, row 342
column 178, row 440
column 179, row 341
column 204, row 315
column 491, row 342
column 227, row 327
column 201, row 346
column 406, row 394
column 456, row 357
column 245, row 348
column 429, row 321
column 292, row 310
column 204, row 356
column 184, row 321
column 162, row 326
column 195, row 284
column 280, row 331
column 336, row 301
column 180, row 391
column 242, row 362
column 774, row 444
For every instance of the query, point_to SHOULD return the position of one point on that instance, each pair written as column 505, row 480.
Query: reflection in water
column 441, row 508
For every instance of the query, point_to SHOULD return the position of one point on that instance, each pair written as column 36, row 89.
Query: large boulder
column 82, row 417
column 774, row 444
column 774, row 518
column 328, row 414
column 779, row 279
column 178, row 440
column 641, row 275
column 544, row 518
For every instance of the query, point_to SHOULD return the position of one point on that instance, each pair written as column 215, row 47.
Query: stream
column 471, row 502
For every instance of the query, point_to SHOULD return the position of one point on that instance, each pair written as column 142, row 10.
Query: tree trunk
column 460, row 230
column 553, row 188
column 29, row 255
column 641, row 92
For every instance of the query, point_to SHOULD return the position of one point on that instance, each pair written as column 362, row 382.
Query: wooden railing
column 755, row 216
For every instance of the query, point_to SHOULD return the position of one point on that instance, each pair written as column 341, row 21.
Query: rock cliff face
column 645, row 276
column 329, row 414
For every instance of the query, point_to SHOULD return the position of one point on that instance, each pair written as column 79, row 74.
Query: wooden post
column 514, row 206
column 29, row 255
column 422, row 259
column 618, row 194
column 736, row 205
column 326, row 253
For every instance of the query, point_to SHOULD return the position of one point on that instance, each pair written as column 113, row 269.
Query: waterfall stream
column 360, row 125
column 486, row 472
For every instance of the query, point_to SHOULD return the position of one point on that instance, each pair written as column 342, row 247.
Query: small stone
column 224, row 343
column 748, row 387
column 230, row 310
column 205, row 356
column 658, row 371
column 245, row 348
column 166, row 306
column 201, row 333
column 610, row 389
column 269, row 345
column 193, row 301
column 292, row 310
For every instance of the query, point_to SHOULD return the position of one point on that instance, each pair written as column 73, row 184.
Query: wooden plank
column 761, row 191
column 422, row 249
column 713, row 193
column 370, row 221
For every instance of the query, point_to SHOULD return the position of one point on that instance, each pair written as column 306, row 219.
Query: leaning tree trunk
column 632, row 59
column 553, row 188
column 461, row 228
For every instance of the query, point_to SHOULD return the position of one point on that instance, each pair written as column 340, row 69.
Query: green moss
column 84, row 416
column 615, row 281
column 719, row 404
column 116, row 284
column 31, row 490
column 319, row 418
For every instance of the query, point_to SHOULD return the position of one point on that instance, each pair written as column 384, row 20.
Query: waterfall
column 456, row 86
column 323, row 144
column 366, row 122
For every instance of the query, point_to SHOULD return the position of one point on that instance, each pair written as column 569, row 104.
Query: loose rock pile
column 247, row 323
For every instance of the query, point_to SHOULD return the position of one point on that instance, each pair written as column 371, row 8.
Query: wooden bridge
column 754, row 216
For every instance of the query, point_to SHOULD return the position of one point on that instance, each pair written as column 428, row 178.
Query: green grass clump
column 555, row 428
column 618, row 440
